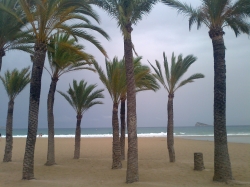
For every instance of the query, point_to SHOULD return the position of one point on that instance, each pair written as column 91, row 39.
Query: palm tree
column 173, row 74
column 115, row 82
column 216, row 15
column 126, row 14
column 64, row 56
column 44, row 18
column 14, row 82
column 11, row 34
column 144, row 80
column 81, row 97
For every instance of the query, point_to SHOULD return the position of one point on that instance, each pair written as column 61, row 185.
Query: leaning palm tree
column 11, row 35
column 144, row 80
column 14, row 82
column 81, row 97
column 64, row 56
column 44, row 18
column 216, row 15
column 173, row 75
column 127, row 13
column 115, row 82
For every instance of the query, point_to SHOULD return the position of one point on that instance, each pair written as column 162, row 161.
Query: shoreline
column 230, row 138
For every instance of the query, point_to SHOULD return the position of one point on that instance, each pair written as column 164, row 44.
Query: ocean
column 237, row 133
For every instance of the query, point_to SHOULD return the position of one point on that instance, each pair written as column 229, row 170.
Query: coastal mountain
column 198, row 124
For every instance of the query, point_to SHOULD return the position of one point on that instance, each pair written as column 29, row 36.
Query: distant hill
column 198, row 124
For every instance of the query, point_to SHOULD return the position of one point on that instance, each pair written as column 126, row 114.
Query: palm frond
column 82, row 96
column 125, row 12
column 182, row 8
column 216, row 14
column 114, row 79
column 78, row 32
column 141, row 8
column 15, row 81
column 238, row 25
column 241, row 7
column 144, row 80
column 68, row 99
column 103, row 78
column 110, row 6
column 92, row 27
column 158, row 74
column 179, row 66
column 12, row 24
column 44, row 17
column 65, row 55
column 189, row 80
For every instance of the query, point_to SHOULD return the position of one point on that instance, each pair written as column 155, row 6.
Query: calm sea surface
column 235, row 133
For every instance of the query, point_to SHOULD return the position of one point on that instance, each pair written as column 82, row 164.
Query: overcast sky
column 162, row 30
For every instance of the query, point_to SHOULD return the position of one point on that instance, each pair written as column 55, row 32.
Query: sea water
column 235, row 133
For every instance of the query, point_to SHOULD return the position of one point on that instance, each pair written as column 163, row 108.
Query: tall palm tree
column 216, row 15
column 81, row 97
column 127, row 13
column 115, row 82
column 64, row 56
column 14, row 82
column 173, row 75
column 144, row 80
column 44, row 18
column 11, row 34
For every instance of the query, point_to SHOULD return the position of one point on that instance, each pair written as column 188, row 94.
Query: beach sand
column 94, row 166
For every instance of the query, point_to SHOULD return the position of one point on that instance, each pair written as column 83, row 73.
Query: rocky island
column 198, row 124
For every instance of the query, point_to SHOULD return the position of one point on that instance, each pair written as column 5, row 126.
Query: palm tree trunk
column 50, row 106
column 116, row 155
column 9, row 138
column 132, row 164
column 222, row 165
column 170, row 129
column 123, row 128
column 35, row 90
column 2, row 54
column 78, row 137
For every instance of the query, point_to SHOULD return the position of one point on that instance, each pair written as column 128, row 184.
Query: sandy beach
column 94, row 166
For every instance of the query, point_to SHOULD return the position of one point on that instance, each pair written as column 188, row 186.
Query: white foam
column 162, row 134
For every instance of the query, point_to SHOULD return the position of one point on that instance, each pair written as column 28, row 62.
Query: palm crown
column 65, row 55
column 124, row 11
column 174, row 73
column 53, row 15
column 216, row 14
column 115, row 80
column 12, row 35
column 10, row 28
column 144, row 80
column 82, row 96
column 14, row 82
